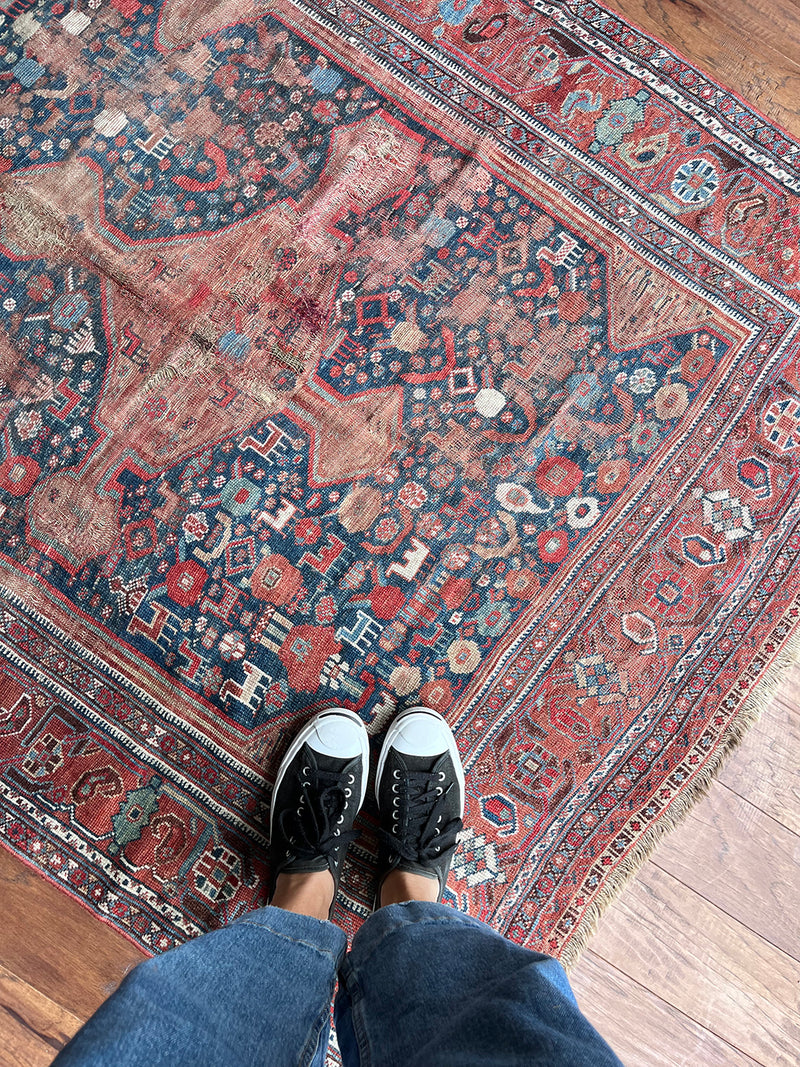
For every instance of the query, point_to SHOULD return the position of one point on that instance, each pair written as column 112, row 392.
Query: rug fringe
column 746, row 716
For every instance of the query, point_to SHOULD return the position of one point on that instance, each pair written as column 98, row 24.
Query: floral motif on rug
column 368, row 354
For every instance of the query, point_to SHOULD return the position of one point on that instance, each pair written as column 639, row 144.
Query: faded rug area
column 371, row 353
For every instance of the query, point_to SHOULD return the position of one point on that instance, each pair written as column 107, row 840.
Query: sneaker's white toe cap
column 338, row 734
column 421, row 733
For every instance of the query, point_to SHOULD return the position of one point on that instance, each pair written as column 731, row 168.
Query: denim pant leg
column 256, row 992
column 427, row 985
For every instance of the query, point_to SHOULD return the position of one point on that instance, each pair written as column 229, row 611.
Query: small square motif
column 75, row 22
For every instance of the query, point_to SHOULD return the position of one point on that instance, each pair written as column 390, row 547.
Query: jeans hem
column 395, row 917
column 319, row 935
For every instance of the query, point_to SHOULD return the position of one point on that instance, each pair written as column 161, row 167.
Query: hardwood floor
column 697, row 964
column 58, row 963
column 750, row 46
column 698, row 960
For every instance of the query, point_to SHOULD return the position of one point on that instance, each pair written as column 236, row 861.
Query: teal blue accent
column 249, row 492
column 134, row 814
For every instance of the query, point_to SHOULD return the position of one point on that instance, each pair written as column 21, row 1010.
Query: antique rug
column 372, row 352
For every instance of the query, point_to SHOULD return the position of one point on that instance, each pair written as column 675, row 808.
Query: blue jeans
column 423, row 985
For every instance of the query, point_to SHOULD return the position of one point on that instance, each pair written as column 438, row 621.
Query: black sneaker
column 319, row 789
column 419, row 787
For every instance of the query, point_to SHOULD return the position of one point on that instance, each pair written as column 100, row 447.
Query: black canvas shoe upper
column 314, row 804
column 421, row 803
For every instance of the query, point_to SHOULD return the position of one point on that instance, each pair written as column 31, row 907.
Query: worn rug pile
column 372, row 353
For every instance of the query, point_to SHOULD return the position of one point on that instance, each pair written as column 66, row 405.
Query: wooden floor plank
column 642, row 1029
column 788, row 689
column 55, row 945
column 766, row 770
column 709, row 966
column 741, row 860
column 32, row 1027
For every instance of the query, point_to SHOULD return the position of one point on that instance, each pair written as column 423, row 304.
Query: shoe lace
column 421, row 803
column 312, row 828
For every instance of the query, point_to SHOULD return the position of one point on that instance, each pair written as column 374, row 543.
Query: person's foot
column 319, row 789
column 419, row 787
